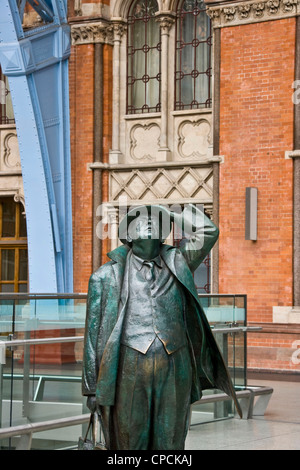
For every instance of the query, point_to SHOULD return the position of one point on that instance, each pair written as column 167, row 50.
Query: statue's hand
column 190, row 219
column 172, row 216
column 91, row 403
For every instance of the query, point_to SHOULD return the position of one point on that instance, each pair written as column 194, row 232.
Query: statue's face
column 144, row 228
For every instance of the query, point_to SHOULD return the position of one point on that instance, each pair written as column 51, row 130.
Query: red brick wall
column 82, row 134
column 256, row 116
column 82, row 144
column 275, row 347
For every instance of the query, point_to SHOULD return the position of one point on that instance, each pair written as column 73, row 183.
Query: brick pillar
column 296, row 210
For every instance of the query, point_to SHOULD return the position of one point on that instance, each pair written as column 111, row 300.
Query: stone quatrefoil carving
column 144, row 142
column 194, row 139
column 11, row 154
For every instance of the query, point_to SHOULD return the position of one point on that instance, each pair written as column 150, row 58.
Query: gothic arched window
column 143, row 58
column 193, row 56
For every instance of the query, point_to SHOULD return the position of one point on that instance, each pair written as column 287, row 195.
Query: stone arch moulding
column 120, row 8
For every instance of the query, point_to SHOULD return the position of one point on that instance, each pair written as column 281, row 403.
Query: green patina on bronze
column 133, row 397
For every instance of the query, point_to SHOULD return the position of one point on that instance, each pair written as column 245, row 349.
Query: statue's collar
column 119, row 254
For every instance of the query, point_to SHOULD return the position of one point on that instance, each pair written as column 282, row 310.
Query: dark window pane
column 23, row 266
column 7, row 265
column 7, row 288
column 8, row 218
column 23, row 288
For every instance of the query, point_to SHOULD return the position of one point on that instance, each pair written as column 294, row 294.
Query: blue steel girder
column 36, row 64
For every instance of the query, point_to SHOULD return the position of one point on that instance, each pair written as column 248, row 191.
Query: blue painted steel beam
column 36, row 64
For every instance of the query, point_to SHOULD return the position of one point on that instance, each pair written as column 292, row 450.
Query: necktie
column 150, row 270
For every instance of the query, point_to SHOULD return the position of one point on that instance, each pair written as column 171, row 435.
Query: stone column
column 113, row 221
column 166, row 22
column 115, row 155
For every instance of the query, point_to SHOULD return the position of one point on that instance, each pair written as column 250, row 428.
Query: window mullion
column 146, row 64
column 17, row 262
column 1, row 214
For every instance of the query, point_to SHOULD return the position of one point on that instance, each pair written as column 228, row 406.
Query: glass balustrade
column 40, row 373
column 227, row 316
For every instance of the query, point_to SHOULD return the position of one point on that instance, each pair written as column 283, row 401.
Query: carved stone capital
column 119, row 28
column 91, row 33
column 166, row 21
column 246, row 12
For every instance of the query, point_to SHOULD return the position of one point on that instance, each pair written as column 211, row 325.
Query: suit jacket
column 106, row 310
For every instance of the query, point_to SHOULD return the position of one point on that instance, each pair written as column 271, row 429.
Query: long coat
column 105, row 318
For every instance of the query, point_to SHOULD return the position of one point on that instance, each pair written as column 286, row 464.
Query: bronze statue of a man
column 149, row 351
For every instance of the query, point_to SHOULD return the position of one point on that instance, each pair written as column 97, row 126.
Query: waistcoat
column 155, row 307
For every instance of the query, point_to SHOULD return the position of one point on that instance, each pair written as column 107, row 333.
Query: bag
column 92, row 444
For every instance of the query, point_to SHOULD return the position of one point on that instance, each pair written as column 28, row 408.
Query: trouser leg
column 171, row 399
column 132, row 409
column 153, row 399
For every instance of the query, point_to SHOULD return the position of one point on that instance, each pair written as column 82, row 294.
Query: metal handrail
column 235, row 329
column 43, row 426
column 71, row 339
column 83, row 295
column 22, row 342
column 26, row 296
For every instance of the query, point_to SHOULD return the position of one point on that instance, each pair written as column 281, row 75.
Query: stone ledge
column 155, row 164
column 224, row 14
column 292, row 154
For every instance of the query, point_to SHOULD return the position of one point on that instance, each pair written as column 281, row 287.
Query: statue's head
column 145, row 223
